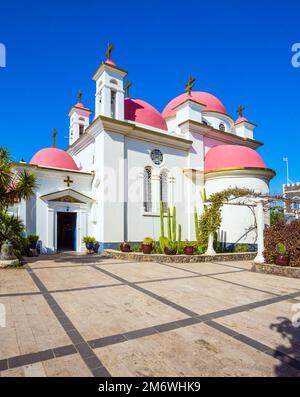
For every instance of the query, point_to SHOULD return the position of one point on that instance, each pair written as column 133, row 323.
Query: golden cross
column 190, row 85
column 240, row 110
column 68, row 181
column 127, row 86
column 54, row 137
column 109, row 50
column 80, row 96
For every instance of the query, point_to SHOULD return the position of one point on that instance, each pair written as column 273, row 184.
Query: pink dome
column 110, row 62
column 54, row 158
column 212, row 103
column 232, row 156
column 240, row 119
column 142, row 112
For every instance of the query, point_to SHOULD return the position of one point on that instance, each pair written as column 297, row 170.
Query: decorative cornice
column 112, row 68
column 131, row 130
column 52, row 169
column 209, row 131
column 267, row 173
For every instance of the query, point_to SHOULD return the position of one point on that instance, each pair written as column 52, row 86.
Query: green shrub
column 200, row 249
column 89, row 239
column 281, row 249
column 135, row 247
column 32, row 240
column 148, row 241
column 241, row 248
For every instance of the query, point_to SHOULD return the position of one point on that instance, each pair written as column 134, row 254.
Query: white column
column 210, row 248
column 260, row 231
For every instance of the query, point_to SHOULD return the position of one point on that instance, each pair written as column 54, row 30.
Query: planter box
column 140, row 257
column 284, row 271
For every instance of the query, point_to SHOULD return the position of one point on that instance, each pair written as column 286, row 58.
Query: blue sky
column 239, row 51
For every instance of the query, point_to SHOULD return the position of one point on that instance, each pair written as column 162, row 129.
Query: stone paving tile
column 270, row 283
column 30, row 327
column 207, row 353
column 144, row 271
column 16, row 281
column 246, row 265
column 270, row 325
column 205, row 295
column 113, row 310
column 73, row 277
column 207, row 268
column 63, row 366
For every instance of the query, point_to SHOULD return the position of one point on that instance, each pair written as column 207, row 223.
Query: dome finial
column 127, row 87
column 54, row 133
column 109, row 51
column 240, row 110
column 190, row 84
column 80, row 96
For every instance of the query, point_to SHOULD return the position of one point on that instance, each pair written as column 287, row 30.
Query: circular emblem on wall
column 157, row 156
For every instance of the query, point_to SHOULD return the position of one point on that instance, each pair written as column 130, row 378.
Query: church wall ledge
column 140, row 257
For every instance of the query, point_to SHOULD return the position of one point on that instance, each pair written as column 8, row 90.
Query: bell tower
column 109, row 97
column 79, row 120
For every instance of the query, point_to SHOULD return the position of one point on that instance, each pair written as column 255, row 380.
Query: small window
column 147, row 190
column 204, row 122
column 222, row 127
column 81, row 119
column 113, row 104
column 295, row 205
column 81, row 129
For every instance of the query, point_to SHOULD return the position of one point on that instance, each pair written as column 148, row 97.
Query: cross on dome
column 109, row 51
column 240, row 110
column 127, row 87
column 190, row 84
column 54, row 134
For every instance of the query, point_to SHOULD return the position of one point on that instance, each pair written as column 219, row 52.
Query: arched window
column 81, row 129
column 222, row 127
column 163, row 189
column 113, row 103
column 147, row 189
column 204, row 122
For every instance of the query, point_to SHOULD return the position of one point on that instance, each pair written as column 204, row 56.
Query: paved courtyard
column 73, row 315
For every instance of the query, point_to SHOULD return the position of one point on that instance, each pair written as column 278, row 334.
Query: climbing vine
column 210, row 220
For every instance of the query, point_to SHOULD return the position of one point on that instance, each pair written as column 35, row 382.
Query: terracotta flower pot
column 125, row 248
column 281, row 260
column 147, row 249
column 189, row 250
column 169, row 252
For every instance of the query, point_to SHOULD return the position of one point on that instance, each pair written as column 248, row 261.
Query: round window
column 222, row 127
column 157, row 156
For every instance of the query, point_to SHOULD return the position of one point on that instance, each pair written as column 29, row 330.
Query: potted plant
column 32, row 240
column 96, row 246
column 147, row 245
column 282, row 258
column 125, row 247
column 188, row 248
column 89, row 242
column 170, row 247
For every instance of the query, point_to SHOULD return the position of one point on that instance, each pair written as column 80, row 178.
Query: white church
column 119, row 165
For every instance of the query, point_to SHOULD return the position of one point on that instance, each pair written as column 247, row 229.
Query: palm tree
column 14, row 186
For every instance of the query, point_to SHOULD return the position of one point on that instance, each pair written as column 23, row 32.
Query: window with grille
column 163, row 189
column 147, row 190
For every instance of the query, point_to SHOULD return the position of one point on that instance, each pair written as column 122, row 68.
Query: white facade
column 113, row 155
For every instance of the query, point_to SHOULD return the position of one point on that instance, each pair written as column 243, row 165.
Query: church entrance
column 66, row 231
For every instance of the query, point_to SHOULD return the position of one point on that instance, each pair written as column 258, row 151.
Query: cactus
column 162, row 225
column 169, row 224
column 196, row 220
column 174, row 224
column 179, row 240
